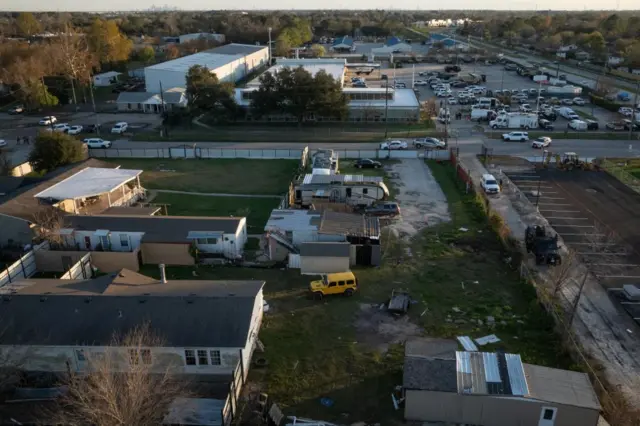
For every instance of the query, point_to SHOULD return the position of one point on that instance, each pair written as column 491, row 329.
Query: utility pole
column 166, row 132
column 93, row 102
column 269, row 46
column 446, row 123
column 633, row 111
column 386, row 105
column 413, row 77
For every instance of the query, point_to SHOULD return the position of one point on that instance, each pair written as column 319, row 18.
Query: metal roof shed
column 89, row 182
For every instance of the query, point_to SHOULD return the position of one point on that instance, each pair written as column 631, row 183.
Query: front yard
column 351, row 352
column 228, row 176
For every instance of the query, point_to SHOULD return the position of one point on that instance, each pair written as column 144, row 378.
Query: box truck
column 515, row 121
column 568, row 90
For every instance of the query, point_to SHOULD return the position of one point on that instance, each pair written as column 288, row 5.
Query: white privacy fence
column 24, row 267
column 81, row 270
column 266, row 154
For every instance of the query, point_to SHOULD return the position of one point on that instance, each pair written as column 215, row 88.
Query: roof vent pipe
column 163, row 274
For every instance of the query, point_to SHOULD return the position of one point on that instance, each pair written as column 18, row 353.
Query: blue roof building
column 343, row 42
column 393, row 41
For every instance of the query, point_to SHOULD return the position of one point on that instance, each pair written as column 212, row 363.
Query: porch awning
column 204, row 234
column 101, row 232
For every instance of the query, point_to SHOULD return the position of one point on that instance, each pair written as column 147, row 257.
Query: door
column 87, row 243
column 548, row 416
column 363, row 255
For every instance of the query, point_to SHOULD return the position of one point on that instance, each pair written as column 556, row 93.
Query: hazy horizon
column 408, row 5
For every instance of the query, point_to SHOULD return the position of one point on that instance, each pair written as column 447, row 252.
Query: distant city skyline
column 186, row 5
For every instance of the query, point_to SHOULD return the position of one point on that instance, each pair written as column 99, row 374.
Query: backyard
column 256, row 210
column 227, row 176
column 349, row 351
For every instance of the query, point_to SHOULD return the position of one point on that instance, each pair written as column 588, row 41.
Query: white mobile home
column 356, row 190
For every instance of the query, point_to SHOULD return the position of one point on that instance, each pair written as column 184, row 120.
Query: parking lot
column 596, row 215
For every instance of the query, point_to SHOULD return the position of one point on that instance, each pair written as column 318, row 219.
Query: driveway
column 422, row 202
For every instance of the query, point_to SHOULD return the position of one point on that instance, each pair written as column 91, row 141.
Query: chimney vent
column 163, row 274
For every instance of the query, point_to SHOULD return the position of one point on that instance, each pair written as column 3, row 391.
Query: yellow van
column 337, row 283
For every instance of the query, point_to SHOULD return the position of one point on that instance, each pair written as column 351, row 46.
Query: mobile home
column 356, row 190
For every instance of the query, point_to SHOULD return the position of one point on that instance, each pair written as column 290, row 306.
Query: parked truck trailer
column 515, row 120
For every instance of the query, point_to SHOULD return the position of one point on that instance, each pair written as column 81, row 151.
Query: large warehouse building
column 230, row 63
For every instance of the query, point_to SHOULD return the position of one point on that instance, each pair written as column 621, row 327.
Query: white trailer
column 515, row 121
column 568, row 90
column 479, row 114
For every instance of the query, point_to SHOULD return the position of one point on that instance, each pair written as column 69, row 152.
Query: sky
column 248, row 5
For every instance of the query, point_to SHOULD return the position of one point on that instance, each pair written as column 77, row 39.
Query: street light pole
column 269, row 29
column 386, row 105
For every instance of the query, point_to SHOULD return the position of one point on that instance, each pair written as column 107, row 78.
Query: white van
column 489, row 184
column 120, row 127
column 577, row 125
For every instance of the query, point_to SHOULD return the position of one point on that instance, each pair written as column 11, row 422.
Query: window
column 341, row 283
column 124, row 240
column 80, row 355
column 202, row 357
column 145, row 354
column 190, row 357
column 349, row 282
column 134, row 357
column 201, row 241
column 212, row 241
column 128, row 106
column 332, row 284
column 549, row 414
column 215, row 357
column 365, row 191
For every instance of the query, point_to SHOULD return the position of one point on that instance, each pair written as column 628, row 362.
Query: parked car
column 393, row 145
column 452, row 101
column 97, row 143
column 329, row 284
column 548, row 115
column 401, row 85
column 383, row 209
column 525, row 108
column 515, row 136
column 630, row 125
column 48, row 120
column 626, row 111
column 592, row 124
column 420, row 83
column 489, row 184
column 578, row 101
column 19, row 109
column 432, row 143
column 576, row 124
column 120, row 128
column 75, row 130
column 92, row 128
column 366, row 163
column 616, row 126
column 60, row 127
column 567, row 102
column 541, row 142
column 545, row 124
column 3, row 143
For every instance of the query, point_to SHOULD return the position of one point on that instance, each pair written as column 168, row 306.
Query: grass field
column 228, row 176
column 319, row 349
column 257, row 210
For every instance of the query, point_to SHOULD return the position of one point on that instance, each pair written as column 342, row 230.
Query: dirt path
column 422, row 202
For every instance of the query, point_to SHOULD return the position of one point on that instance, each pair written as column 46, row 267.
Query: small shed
column 324, row 258
column 106, row 78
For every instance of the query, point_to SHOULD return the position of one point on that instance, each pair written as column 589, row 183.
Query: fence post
column 24, row 273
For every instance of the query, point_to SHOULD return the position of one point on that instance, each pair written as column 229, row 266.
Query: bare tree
column 72, row 58
column 48, row 223
column 561, row 275
column 5, row 163
column 107, row 396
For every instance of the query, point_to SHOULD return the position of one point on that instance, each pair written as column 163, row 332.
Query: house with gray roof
column 342, row 44
column 206, row 327
column 171, row 240
column 154, row 103
column 494, row 389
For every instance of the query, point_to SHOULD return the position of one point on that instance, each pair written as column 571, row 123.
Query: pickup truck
column 616, row 126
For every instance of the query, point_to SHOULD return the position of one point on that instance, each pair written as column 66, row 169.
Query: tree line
column 292, row 92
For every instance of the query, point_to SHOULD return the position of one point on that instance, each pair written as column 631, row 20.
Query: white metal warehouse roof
column 205, row 59
column 89, row 182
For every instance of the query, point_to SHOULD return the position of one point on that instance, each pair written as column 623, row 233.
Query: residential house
column 106, row 78
column 343, row 44
column 614, row 61
column 19, row 206
column 287, row 230
column 568, row 48
column 160, row 239
column 207, row 327
column 154, row 103
column 582, row 55
column 495, row 389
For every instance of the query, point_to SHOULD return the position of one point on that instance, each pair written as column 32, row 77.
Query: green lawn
column 257, row 210
column 314, row 349
column 228, row 176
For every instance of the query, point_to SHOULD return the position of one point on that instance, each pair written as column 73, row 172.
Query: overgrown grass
column 228, row 176
column 315, row 349
column 257, row 210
